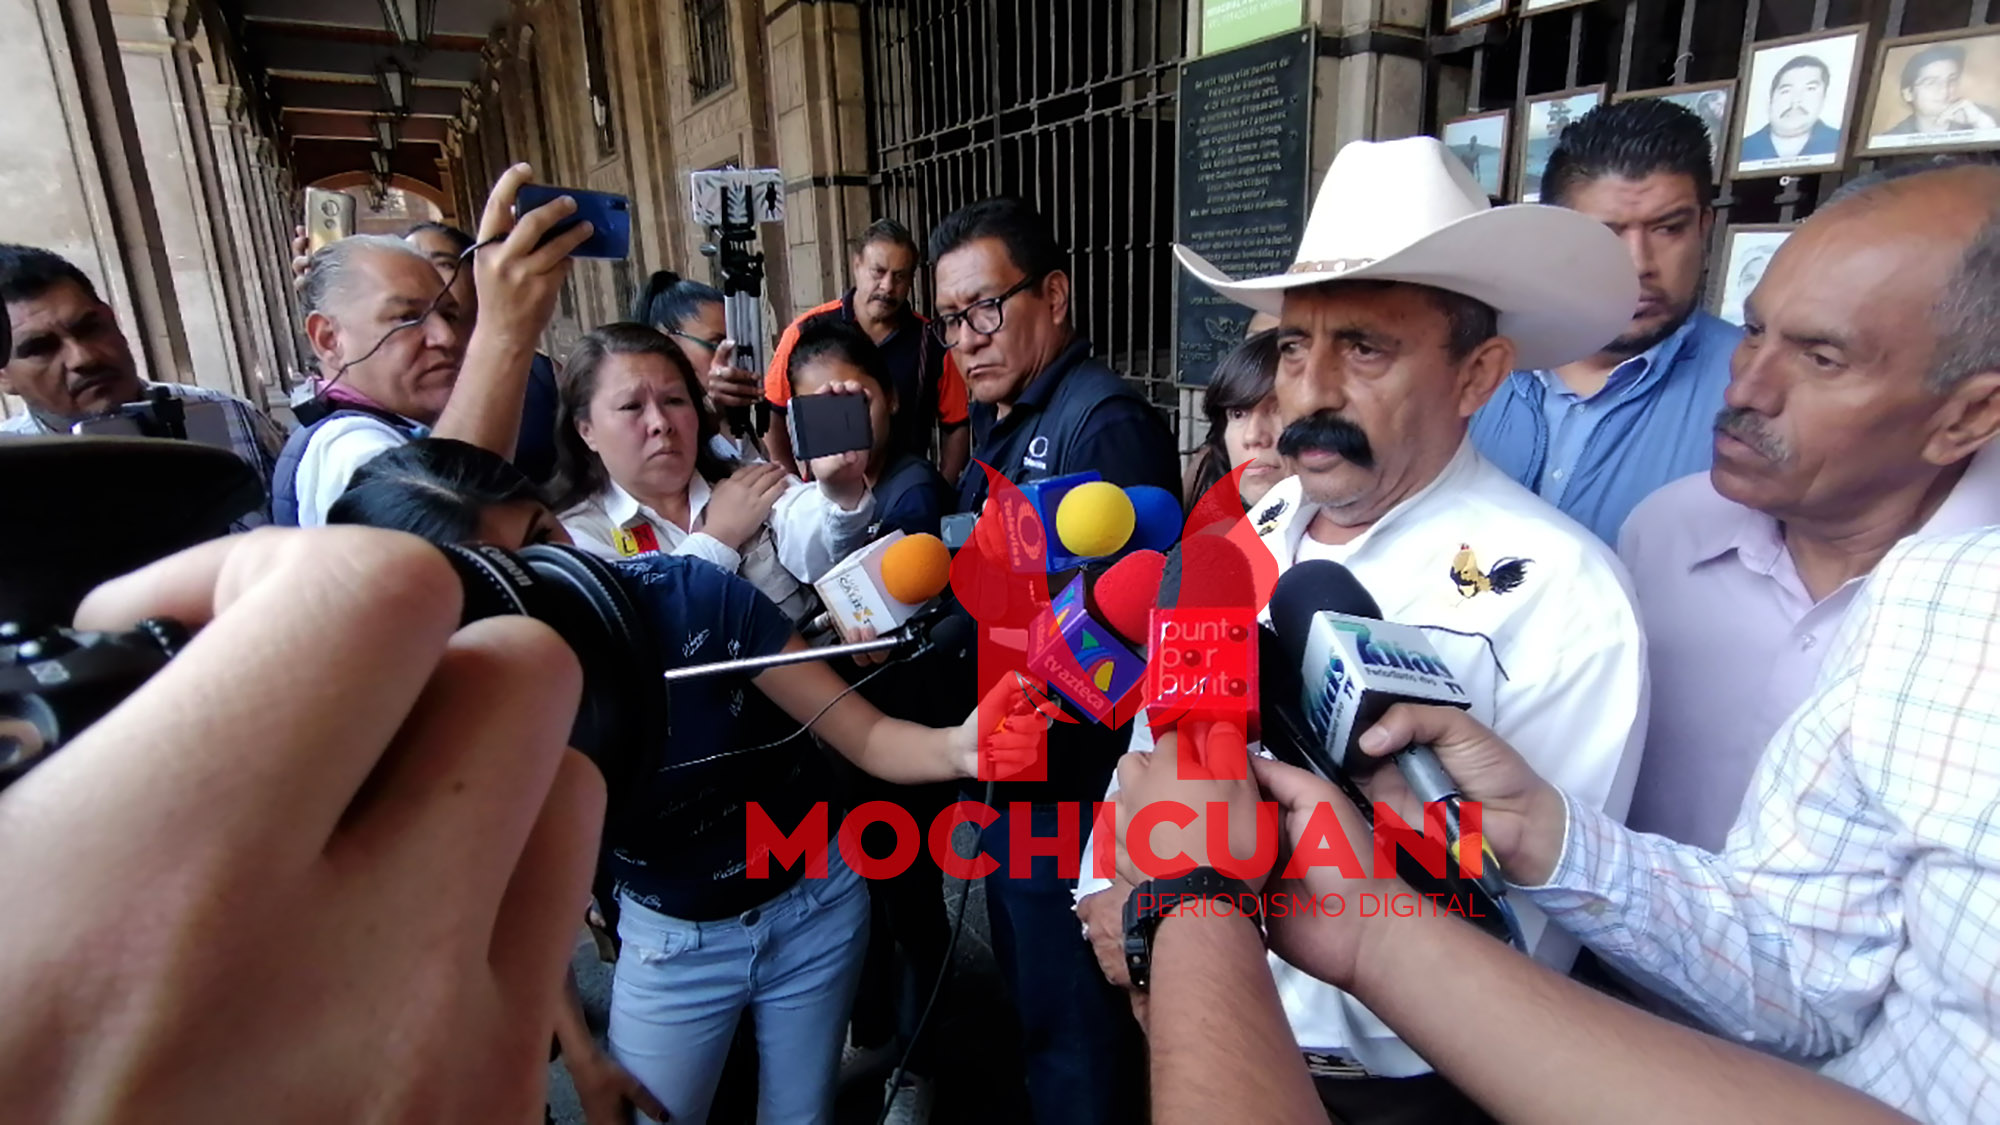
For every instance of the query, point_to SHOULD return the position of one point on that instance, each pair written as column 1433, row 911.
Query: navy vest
column 285, row 477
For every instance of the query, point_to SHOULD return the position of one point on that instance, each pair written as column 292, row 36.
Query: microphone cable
column 430, row 310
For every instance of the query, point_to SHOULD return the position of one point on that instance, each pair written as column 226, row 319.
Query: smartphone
column 610, row 218
column 329, row 218
column 823, row 425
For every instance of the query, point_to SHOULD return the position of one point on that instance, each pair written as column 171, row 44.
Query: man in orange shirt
column 930, row 394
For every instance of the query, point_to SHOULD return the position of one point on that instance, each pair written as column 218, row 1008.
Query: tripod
column 735, row 252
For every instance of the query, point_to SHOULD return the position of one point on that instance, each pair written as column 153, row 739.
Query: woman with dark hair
column 691, row 315
column 702, row 938
column 911, row 496
column 1243, row 423
column 637, row 473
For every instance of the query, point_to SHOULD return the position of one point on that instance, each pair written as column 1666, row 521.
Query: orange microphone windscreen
column 915, row 569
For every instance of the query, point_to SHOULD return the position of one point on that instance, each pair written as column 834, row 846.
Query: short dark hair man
column 930, row 395
column 1044, row 406
column 1596, row 436
column 1798, row 95
column 70, row 360
column 1930, row 88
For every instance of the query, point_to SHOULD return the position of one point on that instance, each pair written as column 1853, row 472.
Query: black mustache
column 1745, row 426
column 1330, row 432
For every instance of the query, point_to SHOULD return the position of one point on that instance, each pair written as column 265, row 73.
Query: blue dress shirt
column 1597, row 457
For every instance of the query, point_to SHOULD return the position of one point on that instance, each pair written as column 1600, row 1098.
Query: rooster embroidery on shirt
column 1506, row 575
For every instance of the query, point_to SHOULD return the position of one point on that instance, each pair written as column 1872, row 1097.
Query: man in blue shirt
column 1044, row 406
column 1596, row 436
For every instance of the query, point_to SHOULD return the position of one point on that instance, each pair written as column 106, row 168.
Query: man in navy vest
column 1596, row 436
column 397, row 355
column 1043, row 406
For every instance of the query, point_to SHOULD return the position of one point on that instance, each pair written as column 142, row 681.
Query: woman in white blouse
column 637, row 473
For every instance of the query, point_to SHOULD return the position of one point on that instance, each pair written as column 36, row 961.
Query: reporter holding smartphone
column 702, row 939
column 637, row 473
column 397, row 355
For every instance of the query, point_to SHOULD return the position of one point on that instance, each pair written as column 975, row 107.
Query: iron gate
column 1067, row 103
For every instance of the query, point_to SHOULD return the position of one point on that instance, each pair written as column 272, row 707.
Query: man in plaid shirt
column 71, row 361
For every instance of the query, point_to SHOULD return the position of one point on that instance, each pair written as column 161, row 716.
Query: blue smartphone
column 610, row 218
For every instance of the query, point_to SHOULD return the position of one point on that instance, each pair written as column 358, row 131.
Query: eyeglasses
column 985, row 317
column 713, row 346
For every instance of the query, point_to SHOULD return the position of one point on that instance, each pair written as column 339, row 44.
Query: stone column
column 821, row 119
column 256, row 267
column 1371, row 73
column 148, row 43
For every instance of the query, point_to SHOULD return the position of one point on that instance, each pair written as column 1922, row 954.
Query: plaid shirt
column 252, row 435
column 1854, row 918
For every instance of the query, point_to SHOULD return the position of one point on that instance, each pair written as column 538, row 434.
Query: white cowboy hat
column 1407, row 210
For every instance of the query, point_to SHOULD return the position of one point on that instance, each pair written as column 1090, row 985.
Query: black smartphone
column 610, row 218
column 823, row 425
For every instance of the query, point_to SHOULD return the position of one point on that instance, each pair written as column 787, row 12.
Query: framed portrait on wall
column 1935, row 93
column 1710, row 101
column 1547, row 115
column 1479, row 140
column 1465, row 13
column 1796, row 109
column 1747, row 250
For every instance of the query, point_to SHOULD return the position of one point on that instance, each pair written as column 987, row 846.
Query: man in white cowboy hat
column 1410, row 301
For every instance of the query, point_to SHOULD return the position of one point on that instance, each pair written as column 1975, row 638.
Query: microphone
column 1203, row 637
column 923, row 634
column 885, row 583
column 1353, row 667
column 1124, row 594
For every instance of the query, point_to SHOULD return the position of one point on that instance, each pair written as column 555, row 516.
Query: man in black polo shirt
column 1042, row 407
column 930, row 396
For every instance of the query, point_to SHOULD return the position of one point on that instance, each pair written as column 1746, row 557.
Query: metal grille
column 709, row 64
column 1647, row 44
column 1069, row 104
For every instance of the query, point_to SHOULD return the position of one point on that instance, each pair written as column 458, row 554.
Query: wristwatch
column 1153, row 899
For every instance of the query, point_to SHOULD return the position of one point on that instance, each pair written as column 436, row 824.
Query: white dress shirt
column 1572, row 697
column 1735, row 641
column 1855, row 915
column 804, row 536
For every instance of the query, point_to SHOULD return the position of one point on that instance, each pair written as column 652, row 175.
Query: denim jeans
column 1082, row 1050
column 681, row 986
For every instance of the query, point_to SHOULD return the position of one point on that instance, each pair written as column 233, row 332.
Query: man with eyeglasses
column 1043, row 406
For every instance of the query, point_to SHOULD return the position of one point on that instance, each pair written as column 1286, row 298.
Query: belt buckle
column 1322, row 1065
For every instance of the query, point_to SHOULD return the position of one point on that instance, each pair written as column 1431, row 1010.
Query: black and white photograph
column 1537, row 7
column 1479, row 141
column 1548, row 116
column 1465, row 13
column 1797, row 103
column 1710, row 101
column 1746, row 253
column 1935, row 93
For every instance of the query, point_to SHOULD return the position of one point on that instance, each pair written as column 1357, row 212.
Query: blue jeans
column 681, row 986
column 1084, row 1057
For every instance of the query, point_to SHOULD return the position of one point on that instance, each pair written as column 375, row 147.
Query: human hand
column 607, row 1091
column 1010, row 737
column 1321, row 940
column 842, row 476
column 276, row 802
column 301, row 258
column 1193, row 782
column 518, row 279
column 728, row 385
column 859, row 636
column 741, row 504
column 1522, row 817
column 1965, row 114
column 1103, row 918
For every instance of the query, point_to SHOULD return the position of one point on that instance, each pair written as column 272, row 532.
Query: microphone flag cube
column 1204, row 664
column 1080, row 658
column 1038, row 547
column 853, row 590
column 1365, row 667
